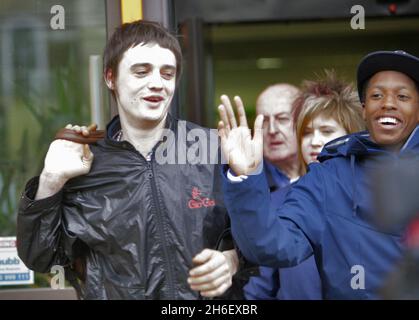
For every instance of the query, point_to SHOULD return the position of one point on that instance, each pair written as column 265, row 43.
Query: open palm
column 242, row 153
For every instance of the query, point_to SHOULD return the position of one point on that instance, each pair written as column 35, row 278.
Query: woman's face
column 316, row 134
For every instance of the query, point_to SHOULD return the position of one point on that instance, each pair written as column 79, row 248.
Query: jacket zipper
column 161, row 227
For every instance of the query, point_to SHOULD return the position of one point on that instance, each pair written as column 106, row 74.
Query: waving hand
column 242, row 152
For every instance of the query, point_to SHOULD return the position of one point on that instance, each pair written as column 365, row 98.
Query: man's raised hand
column 243, row 153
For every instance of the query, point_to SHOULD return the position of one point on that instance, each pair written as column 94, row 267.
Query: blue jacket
column 328, row 213
column 298, row 282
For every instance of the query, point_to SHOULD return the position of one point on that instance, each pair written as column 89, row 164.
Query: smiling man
column 391, row 113
column 390, row 97
column 329, row 212
column 113, row 214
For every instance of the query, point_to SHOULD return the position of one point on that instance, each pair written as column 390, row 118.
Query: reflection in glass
column 44, row 84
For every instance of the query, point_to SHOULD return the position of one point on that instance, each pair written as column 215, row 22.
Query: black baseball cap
column 377, row 61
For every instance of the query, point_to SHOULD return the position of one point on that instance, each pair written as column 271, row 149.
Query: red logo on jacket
column 197, row 201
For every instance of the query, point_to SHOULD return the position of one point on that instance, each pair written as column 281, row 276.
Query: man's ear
column 109, row 79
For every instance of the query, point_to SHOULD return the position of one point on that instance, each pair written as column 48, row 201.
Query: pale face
column 145, row 84
column 279, row 137
column 318, row 132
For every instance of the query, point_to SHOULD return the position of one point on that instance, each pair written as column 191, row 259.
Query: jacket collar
column 275, row 177
column 114, row 126
column 360, row 144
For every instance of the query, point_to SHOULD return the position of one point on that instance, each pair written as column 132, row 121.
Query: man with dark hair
column 329, row 212
column 129, row 225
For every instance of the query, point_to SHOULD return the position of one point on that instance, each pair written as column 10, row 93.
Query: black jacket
column 130, row 227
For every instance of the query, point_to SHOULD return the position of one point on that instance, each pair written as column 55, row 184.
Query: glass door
column 45, row 51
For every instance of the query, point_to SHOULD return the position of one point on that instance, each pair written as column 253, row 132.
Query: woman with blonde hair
column 326, row 109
